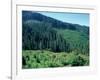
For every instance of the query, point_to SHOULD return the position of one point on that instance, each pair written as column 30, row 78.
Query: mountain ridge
column 29, row 15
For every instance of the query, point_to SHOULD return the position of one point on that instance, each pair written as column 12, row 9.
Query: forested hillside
column 29, row 15
column 48, row 36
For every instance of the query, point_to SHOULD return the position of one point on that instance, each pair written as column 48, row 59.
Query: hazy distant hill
column 29, row 15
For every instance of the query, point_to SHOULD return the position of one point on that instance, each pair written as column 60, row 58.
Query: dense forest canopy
column 43, row 36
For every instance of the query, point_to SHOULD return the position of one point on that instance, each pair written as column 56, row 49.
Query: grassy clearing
column 46, row 59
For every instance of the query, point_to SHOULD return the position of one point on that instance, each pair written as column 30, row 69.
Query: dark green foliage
column 78, row 61
column 23, row 60
column 39, row 35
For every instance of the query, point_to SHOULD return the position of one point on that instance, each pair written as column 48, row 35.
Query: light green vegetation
column 47, row 59
column 79, row 41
